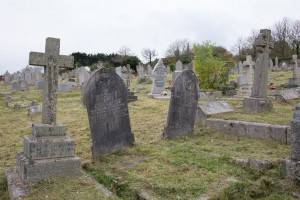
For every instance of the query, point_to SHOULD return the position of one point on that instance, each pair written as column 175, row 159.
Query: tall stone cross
column 263, row 44
column 52, row 61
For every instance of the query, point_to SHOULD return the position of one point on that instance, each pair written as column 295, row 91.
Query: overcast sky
column 98, row 26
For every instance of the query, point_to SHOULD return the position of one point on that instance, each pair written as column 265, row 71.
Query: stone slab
column 286, row 95
column 215, row 107
column 66, row 87
column 37, row 170
column 34, row 109
column 257, row 105
column 291, row 169
column 48, row 130
column 48, row 147
column 16, row 187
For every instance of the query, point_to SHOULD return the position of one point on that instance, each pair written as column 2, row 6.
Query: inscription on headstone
column 105, row 96
column 183, row 106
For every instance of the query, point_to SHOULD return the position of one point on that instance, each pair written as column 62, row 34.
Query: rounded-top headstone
column 105, row 96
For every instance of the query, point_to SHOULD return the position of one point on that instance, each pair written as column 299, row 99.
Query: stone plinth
column 294, row 81
column 291, row 169
column 257, row 105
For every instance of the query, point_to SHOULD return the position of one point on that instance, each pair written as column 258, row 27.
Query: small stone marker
column 159, row 78
column 178, row 70
column 292, row 164
column 48, row 152
column 183, row 106
column 258, row 101
column 105, row 96
column 295, row 79
column 215, row 107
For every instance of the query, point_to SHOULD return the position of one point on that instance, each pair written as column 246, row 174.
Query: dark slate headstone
column 105, row 97
column 183, row 106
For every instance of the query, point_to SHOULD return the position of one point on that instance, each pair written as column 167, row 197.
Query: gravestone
column 37, row 74
column 240, row 67
column 15, row 76
column 140, row 71
column 258, row 101
column 292, row 164
column 149, row 71
column 178, row 70
column 83, row 75
column 39, row 85
column 66, row 87
column 15, row 85
column 246, row 80
column 28, row 75
column 286, row 95
column 276, row 62
column 159, row 78
column 23, row 86
column 118, row 71
column 105, row 97
column 295, row 79
column 48, row 152
column 7, row 77
column 183, row 106
column 271, row 65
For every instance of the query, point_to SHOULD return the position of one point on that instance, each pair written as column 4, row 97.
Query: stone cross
column 263, row 44
column 295, row 66
column 249, row 69
column 52, row 61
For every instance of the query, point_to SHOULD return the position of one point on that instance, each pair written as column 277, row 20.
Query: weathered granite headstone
column 149, row 71
column 292, row 164
column 140, row 71
column 159, row 78
column 7, row 77
column 183, row 106
column 178, row 70
column 83, row 75
column 295, row 79
column 48, row 152
column 258, row 101
column 118, row 71
column 28, row 75
column 105, row 96
column 247, row 77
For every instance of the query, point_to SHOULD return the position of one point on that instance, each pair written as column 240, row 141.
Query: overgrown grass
column 187, row 168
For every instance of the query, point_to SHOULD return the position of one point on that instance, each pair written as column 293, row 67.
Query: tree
column 181, row 50
column 294, row 38
column 149, row 54
column 124, row 51
column 211, row 70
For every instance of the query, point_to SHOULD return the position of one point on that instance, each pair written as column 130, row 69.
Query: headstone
column 105, row 96
column 48, row 152
column 118, row 71
column 295, row 79
column 66, row 87
column 15, row 76
column 39, row 85
column 140, row 71
column 159, row 78
column 271, row 65
column 178, row 70
column 23, row 86
column 83, row 75
column 149, row 71
column 258, row 101
column 286, row 95
column 168, row 70
column 183, row 106
column 28, row 75
column 37, row 74
column 246, row 80
column 276, row 62
column 240, row 67
column 7, row 77
column 215, row 107
column 292, row 164
column 15, row 85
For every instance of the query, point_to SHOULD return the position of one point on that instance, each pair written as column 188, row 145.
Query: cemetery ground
column 195, row 167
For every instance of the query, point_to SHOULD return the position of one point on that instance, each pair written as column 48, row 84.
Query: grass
column 188, row 168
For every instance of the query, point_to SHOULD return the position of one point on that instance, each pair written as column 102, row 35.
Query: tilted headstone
column 48, row 152
column 178, row 70
column 183, row 106
column 7, row 77
column 286, row 95
column 105, row 97
column 292, row 164
column 159, row 78
column 258, row 101
column 295, row 79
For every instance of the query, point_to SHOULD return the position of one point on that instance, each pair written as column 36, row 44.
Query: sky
column 98, row 26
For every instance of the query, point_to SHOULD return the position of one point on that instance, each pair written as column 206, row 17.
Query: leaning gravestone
column 48, row 152
column 286, row 95
column 292, row 164
column 105, row 97
column 258, row 102
column 183, row 106
column 159, row 78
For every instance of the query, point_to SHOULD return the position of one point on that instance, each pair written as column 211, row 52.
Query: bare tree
column 280, row 32
column 124, row 51
column 149, row 54
column 181, row 50
column 294, row 38
column 238, row 48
